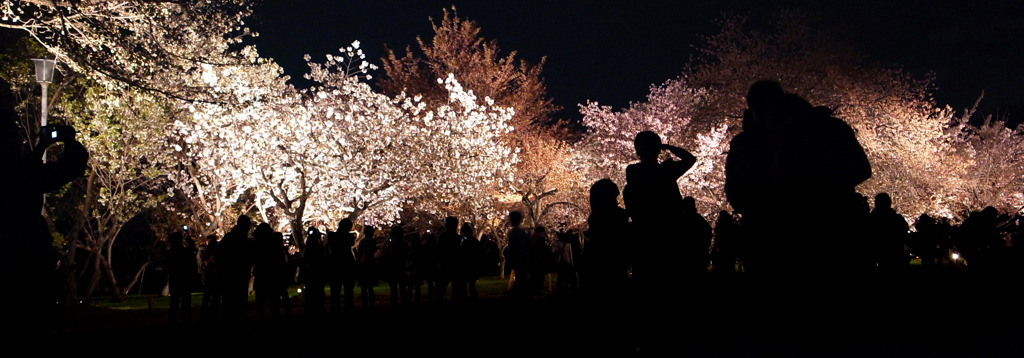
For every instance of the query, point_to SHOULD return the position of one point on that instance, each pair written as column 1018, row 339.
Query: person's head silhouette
column 883, row 201
column 647, row 145
column 761, row 99
column 263, row 230
column 689, row 205
column 604, row 193
column 345, row 225
column 451, row 223
column 515, row 218
column 243, row 223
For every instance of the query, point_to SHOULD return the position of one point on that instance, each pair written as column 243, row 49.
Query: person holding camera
column 28, row 260
column 655, row 205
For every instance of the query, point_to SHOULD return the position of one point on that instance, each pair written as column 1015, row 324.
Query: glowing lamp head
column 955, row 256
column 44, row 69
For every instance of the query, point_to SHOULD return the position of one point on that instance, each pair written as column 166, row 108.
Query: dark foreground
column 935, row 317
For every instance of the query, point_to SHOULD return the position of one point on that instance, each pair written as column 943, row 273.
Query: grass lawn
column 486, row 286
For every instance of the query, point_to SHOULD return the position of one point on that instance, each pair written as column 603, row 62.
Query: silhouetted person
column 924, row 242
column 518, row 256
column 978, row 240
column 541, row 261
column 286, row 275
column 396, row 260
column 342, row 265
column 427, row 260
column 797, row 158
column 417, row 266
column 608, row 251
column 28, row 260
column 182, row 272
column 314, row 272
column 749, row 178
column 889, row 233
column 724, row 254
column 448, row 243
column 697, row 233
column 565, row 267
column 268, row 270
column 209, row 309
column 655, row 205
column 470, row 257
column 234, row 259
column 490, row 256
column 367, row 266
column 655, row 208
column 818, row 159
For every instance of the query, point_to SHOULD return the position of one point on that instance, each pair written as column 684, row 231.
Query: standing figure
column 724, row 252
column 342, row 265
column 396, row 260
column 268, row 269
column 518, row 257
column 889, row 231
column 655, row 207
column 608, row 251
column 28, row 260
column 750, row 181
column 470, row 257
column 182, row 272
column 367, row 266
column 314, row 272
column 697, row 234
column 234, row 259
column 565, row 262
column 818, row 159
column 654, row 204
column 209, row 309
column 448, row 258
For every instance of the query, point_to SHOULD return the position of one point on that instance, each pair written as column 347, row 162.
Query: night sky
column 612, row 51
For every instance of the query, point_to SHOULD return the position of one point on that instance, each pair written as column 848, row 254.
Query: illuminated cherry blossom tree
column 909, row 139
column 988, row 158
column 339, row 149
column 542, row 183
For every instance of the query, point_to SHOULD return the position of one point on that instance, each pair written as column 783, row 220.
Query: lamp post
column 44, row 75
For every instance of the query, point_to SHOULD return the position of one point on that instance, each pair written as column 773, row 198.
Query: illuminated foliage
column 477, row 63
column 917, row 153
column 542, row 182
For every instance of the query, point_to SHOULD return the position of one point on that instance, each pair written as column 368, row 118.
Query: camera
column 57, row 133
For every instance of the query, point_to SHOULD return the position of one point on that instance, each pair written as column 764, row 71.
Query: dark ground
column 941, row 316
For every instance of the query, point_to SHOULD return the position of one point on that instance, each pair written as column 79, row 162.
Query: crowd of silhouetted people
column 337, row 262
column 790, row 177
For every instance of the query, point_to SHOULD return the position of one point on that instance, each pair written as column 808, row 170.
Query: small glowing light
column 300, row 290
column 955, row 256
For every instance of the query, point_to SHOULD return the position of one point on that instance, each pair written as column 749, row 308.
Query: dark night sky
column 612, row 51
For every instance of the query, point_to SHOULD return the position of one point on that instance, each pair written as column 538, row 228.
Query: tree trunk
column 114, row 288
column 94, row 281
column 135, row 277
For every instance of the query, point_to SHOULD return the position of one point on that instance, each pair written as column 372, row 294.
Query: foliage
column 911, row 141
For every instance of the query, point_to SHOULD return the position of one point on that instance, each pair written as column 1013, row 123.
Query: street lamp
column 44, row 75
